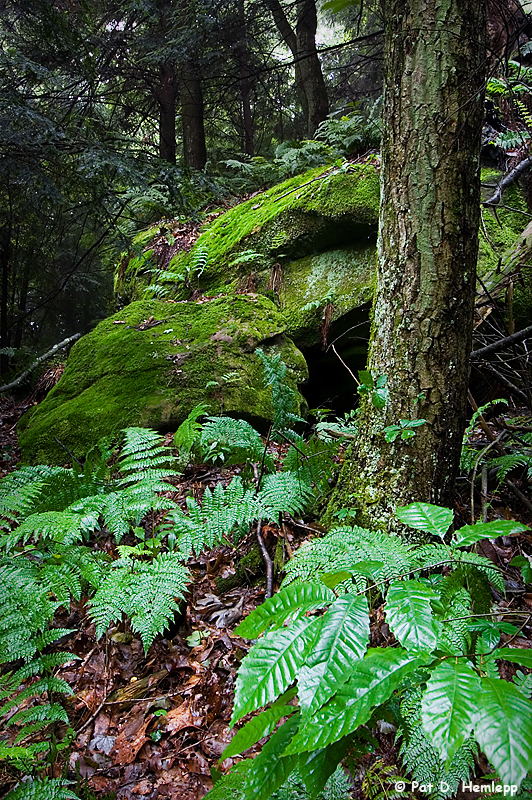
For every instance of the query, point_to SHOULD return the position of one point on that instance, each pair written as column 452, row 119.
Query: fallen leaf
column 181, row 717
column 130, row 740
column 103, row 743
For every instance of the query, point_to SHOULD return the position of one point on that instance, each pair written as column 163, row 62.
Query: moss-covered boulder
column 307, row 240
column 152, row 362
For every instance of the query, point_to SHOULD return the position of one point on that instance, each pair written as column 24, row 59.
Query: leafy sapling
column 447, row 665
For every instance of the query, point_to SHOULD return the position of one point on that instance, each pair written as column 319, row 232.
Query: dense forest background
column 115, row 115
column 126, row 570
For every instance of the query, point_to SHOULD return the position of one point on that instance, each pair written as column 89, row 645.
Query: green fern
column 144, row 457
column 233, row 441
column 342, row 549
column 284, row 398
column 148, row 593
column 314, row 461
column 422, row 760
column 42, row 789
column 187, row 435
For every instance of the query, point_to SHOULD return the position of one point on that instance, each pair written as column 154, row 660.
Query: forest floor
column 154, row 726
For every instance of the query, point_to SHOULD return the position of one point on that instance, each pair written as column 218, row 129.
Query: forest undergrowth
column 134, row 586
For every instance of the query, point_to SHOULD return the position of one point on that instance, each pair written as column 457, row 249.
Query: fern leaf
column 284, row 492
column 42, row 789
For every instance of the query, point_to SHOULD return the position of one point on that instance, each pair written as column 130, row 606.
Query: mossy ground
column 121, row 374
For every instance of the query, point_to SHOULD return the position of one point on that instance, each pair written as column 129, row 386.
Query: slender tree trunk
column 5, row 251
column 309, row 67
column 308, row 72
column 166, row 97
column 191, row 95
column 245, row 83
column 423, row 306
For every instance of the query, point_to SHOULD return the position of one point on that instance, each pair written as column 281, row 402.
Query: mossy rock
column 321, row 210
column 129, row 371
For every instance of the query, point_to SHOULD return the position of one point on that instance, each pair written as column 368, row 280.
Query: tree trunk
column 309, row 67
column 245, row 82
column 425, row 289
column 191, row 95
column 308, row 73
column 166, row 97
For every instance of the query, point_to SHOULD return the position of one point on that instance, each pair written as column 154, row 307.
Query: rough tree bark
column 424, row 297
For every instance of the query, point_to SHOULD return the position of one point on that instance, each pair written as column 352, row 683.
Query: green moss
column 118, row 375
column 250, row 565
column 305, row 214
column 309, row 213
column 499, row 230
column 343, row 278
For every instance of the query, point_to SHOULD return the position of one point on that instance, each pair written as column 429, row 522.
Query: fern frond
column 148, row 593
column 509, row 462
column 42, row 789
column 285, row 403
column 188, row 432
column 313, row 460
column 421, row 759
column 222, row 512
column 233, row 441
column 144, row 457
column 343, row 548
column 284, row 492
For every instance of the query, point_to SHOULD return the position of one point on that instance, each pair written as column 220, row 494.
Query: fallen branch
column 38, row 361
column 502, row 344
column 507, row 181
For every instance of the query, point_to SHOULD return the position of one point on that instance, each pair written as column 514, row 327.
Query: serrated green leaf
column 255, row 729
column 409, row 614
column 271, row 666
column 503, row 729
column 449, row 705
column 426, row 517
column 271, row 767
column 516, row 655
column 278, row 608
column 374, row 678
column 342, row 638
column 317, row 767
column 469, row 534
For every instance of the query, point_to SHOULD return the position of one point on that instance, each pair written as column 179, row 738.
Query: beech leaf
column 449, row 705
